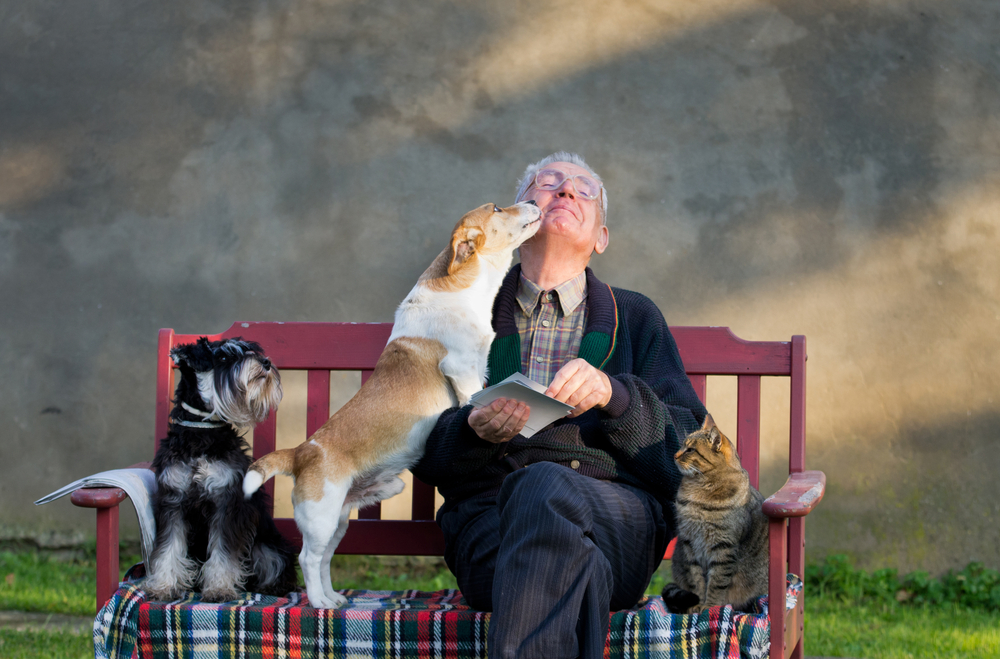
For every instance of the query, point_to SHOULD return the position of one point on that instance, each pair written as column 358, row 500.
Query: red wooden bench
column 319, row 348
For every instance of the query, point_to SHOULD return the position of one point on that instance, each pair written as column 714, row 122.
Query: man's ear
column 464, row 243
column 602, row 240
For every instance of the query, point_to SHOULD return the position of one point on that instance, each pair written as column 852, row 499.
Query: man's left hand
column 581, row 385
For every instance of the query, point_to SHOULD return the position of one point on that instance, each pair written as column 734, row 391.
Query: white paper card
column 544, row 409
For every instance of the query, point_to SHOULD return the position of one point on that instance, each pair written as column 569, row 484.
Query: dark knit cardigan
column 632, row 440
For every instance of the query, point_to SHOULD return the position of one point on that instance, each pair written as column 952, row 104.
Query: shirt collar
column 569, row 293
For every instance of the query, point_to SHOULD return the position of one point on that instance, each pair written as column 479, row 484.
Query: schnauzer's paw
column 332, row 601
column 219, row 595
column 159, row 593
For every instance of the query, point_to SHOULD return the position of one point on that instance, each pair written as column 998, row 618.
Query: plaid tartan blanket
column 394, row 625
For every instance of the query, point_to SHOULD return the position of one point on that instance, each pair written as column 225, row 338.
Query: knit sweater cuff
column 620, row 399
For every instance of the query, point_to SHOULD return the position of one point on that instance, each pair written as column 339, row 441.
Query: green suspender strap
column 596, row 347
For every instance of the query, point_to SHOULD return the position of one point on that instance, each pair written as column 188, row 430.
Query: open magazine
column 139, row 485
column 544, row 409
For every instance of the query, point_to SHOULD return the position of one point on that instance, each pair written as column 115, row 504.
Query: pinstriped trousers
column 551, row 556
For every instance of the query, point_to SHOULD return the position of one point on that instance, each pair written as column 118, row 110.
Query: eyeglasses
column 553, row 179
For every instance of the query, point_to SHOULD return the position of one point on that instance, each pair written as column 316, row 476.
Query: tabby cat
column 721, row 552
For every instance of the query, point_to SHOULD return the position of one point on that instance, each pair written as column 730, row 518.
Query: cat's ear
column 709, row 422
column 716, row 438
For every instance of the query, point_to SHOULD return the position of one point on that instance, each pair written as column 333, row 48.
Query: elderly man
column 552, row 532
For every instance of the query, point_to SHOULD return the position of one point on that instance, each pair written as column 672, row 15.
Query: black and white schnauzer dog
column 207, row 534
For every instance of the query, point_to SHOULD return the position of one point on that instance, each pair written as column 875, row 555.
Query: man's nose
column 566, row 189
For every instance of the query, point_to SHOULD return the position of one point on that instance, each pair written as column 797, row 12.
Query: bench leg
column 105, row 500
column 107, row 554
column 797, row 566
column 776, row 585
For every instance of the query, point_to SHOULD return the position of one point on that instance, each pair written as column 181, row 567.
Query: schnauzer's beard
column 242, row 395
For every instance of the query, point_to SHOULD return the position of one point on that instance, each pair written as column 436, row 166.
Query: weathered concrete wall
column 825, row 168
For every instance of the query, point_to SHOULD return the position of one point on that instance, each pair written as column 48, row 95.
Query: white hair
column 561, row 156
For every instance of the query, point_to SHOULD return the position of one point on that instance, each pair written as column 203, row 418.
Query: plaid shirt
column 551, row 325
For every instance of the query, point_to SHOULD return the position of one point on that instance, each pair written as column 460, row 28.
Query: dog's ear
column 464, row 243
column 178, row 355
column 197, row 356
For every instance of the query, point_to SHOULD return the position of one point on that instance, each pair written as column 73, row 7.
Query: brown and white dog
column 435, row 359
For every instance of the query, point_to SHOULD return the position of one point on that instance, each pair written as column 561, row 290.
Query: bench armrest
column 98, row 497
column 798, row 496
column 103, row 497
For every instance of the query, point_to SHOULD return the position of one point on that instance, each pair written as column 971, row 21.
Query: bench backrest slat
column 319, row 348
column 700, row 384
column 797, row 429
column 264, row 441
column 317, row 400
column 748, row 425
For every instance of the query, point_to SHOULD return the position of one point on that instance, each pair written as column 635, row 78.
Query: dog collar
column 198, row 424
column 202, row 413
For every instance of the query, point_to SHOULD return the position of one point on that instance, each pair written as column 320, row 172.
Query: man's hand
column 499, row 421
column 581, row 385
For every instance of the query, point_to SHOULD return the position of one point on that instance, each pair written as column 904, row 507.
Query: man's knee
column 542, row 480
column 544, row 488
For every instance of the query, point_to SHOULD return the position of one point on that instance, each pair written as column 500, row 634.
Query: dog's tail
column 272, row 464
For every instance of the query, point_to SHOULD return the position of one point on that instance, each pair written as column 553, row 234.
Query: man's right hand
column 499, row 421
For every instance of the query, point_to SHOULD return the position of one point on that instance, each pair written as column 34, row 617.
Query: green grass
column 32, row 582
column 880, row 615
column 390, row 573
column 838, row 628
column 975, row 587
column 848, row 613
column 660, row 579
column 45, row 645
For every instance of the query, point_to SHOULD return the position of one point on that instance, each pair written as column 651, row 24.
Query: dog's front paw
column 162, row 593
column 219, row 595
column 332, row 601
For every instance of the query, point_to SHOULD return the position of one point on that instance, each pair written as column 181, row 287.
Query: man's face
column 566, row 214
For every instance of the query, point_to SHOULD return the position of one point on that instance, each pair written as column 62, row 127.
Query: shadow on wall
column 923, row 499
column 827, row 169
column 776, row 137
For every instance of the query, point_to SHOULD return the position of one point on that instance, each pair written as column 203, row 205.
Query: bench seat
column 394, row 624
